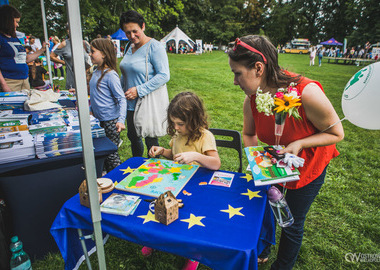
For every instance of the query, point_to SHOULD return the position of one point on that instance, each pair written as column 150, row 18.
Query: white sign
column 199, row 46
column 375, row 52
column 116, row 43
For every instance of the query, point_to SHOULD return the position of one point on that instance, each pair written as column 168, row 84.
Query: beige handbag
column 151, row 110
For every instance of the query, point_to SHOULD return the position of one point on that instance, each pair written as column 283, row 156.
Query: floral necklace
column 285, row 102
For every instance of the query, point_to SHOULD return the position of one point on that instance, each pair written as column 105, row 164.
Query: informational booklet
column 120, row 204
column 221, row 179
column 16, row 146
column 264, row 171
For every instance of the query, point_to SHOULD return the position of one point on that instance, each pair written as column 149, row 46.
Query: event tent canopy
column 332, row 41
column 177, row 35
column 119, row 34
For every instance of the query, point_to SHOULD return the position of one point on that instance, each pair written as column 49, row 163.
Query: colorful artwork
column 265, row 172
column 156, row 176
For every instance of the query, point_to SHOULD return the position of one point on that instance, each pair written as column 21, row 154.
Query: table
column 35, row 189
column 352, row 61
column 223, row 228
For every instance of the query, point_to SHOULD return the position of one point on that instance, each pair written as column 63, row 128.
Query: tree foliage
column 218, row 21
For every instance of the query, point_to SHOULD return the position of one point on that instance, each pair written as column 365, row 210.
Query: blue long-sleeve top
column 108, row 101
column 133, row 70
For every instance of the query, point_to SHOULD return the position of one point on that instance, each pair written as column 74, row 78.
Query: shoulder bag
column 151, row 110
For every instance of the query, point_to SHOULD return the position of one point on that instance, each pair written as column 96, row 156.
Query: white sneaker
column 61, row 78
column 55, row 78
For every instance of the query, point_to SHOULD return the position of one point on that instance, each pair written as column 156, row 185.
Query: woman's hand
column 120, row 127
column 156, row 151
column 6, row 88
column 131, row 93
column 292, row 148
column 43, row 48
column 3, row 84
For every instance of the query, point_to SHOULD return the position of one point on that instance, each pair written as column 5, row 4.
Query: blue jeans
column 136, row 141
column 299, row 201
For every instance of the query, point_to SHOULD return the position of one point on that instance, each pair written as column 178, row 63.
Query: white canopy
column 177, row 35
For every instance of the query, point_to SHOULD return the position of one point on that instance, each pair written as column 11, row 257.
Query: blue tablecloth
column 231, row 225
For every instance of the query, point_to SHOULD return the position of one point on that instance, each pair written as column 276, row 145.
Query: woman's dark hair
column 188, row 107
column 33, row 70
column 106, row 47
column 7, row 23
column 276, row 77
column 131, row 16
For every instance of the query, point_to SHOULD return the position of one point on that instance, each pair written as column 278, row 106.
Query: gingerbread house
column 166, row 208
column 84, row 197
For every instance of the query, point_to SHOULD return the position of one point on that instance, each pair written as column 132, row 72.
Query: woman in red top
column 254, row 62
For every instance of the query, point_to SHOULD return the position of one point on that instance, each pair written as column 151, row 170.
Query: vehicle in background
column 298, row 45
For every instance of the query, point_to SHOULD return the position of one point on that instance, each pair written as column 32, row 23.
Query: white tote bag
column 151, row 110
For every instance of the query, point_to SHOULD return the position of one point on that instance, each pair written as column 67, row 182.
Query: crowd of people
column 145, row 69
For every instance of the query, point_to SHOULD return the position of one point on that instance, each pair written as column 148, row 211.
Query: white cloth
column 42, row 100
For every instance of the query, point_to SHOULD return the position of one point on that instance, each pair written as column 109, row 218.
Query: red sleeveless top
column 316, row 158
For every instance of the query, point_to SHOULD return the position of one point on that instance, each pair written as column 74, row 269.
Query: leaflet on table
column 9, row 123
column 16, row 134
column 60, row 152
column 57, row 138
column 120, row 204
column 7, row 115
column 14, row 106
column 13, row 99
column 264, row 172
column 47, row 127
column 16, row 146
column 49, row 116
column 13, row 94
column 66, row 94
column 15, row 139
column 221, row 179
column 13, row 129
column 55, row 144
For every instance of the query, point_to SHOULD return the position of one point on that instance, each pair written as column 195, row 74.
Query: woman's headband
column 245, row 45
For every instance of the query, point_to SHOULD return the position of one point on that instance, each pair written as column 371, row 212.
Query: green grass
column 344, row 217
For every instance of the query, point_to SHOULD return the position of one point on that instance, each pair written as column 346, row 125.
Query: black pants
column 56, row 71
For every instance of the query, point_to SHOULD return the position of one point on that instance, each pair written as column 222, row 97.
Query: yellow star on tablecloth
column 252, row 194
column 148, row 217
column 175, row 170
column 233, row 211
column 247, row 176
column 194, row 220
column 127, row 170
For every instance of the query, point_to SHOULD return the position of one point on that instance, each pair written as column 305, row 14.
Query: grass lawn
column 344, row 217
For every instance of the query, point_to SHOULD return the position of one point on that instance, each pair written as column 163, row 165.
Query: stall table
column 34, row 191
column 221, row 227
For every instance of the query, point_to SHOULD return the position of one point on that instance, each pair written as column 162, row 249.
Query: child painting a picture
column 191, row 143
column 108, row 103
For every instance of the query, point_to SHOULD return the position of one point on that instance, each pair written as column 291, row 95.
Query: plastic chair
column 234, row 144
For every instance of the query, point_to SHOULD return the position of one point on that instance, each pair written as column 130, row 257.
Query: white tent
column 177, row 35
